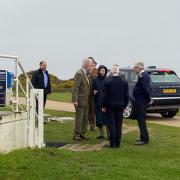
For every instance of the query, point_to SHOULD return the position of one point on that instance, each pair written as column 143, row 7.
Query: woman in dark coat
column 97, row 87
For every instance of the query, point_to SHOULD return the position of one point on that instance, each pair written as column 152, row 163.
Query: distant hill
column 57, row 84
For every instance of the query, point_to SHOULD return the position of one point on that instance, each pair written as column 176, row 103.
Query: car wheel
column 129, row 111
column 169, row 114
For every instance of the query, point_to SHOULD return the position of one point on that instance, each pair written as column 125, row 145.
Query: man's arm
column 94, row 87
column 49, row 84
column 126, row 94
column 146, row 86
column 34, row 79
column 75, row 91
column 104, row 94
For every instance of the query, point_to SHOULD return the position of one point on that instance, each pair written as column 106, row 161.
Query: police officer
column 142, row 96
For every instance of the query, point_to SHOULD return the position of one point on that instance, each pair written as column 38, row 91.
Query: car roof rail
column 152, row 67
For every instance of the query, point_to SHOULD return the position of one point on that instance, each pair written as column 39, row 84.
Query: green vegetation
column 59, row 113
column 5, row 108
column 178, row 114
column 62, row 96
column 57, row 84
column 158, row 160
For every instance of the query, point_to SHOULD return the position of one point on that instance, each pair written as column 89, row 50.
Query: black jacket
column 38, row 81
column 142, row 90
column 115, row 92
column 98, row 84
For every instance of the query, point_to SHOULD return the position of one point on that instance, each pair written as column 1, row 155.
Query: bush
column 57, row 84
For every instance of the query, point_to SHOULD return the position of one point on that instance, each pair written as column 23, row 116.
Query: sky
column 64, row 32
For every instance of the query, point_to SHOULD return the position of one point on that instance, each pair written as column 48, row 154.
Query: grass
column 63, row 97
column 57, row 96
column 8, row 108
column 59, row 113
column 178, row 114
column 156, row 161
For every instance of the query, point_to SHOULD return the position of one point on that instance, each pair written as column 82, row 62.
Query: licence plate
column 169, row 91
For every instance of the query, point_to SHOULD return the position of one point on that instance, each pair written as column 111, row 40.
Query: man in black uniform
column 41, row 80
column 142, row 96
column 114, row 101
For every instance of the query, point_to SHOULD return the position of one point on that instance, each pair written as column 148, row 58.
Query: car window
column 124, row 74
column 164, row 76
column 134, row 76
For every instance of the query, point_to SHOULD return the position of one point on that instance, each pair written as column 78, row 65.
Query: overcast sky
column 112, row 31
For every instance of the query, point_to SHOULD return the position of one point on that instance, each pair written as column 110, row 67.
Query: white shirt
column 141, row 72
column 85, row 72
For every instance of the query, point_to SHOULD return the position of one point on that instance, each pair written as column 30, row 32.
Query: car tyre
column 169, row 114
column 129, row 111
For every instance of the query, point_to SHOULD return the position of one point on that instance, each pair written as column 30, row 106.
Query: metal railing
column 34, row 98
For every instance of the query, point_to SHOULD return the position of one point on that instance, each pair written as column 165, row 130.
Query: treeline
column 57, row 84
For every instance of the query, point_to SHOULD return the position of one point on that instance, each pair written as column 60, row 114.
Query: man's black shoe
column 110, row 146
column 139, row 143
column 83, row 137
column 100, row 137
column 118, row 145
column 77, row 138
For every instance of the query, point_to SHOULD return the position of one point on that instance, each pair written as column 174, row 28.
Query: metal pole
column 27, row 93
column 40, row 118
column 17, row 85
column 31, row 125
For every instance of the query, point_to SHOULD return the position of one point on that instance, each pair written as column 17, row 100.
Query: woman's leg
column 101, row 132
column 107, row 130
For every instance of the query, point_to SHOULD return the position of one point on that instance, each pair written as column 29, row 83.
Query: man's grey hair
column 86, row 61
column 140, row 64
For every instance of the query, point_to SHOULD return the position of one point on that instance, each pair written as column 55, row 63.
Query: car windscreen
column 164, row 76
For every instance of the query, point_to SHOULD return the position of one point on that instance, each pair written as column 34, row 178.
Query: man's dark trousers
column 140, row 112
column 115, row 116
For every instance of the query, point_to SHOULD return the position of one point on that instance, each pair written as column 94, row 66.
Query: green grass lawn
column 57, row 96
column 62, row 96
column 158, row 160
column 59, row 113
column 178, row 114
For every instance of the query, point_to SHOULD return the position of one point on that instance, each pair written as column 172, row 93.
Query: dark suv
column 165, row 90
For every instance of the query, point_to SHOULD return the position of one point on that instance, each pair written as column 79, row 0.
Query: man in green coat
column 81, row 99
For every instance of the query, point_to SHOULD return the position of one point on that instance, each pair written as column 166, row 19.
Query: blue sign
column 2, row 87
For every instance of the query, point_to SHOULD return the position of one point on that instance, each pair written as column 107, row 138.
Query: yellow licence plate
column 169, row 91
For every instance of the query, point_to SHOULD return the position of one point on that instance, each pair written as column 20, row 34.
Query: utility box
column 6, row 85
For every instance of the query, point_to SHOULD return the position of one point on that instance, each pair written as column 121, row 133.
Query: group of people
column 100, row 97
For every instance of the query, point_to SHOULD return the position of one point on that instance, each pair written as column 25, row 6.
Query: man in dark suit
column 41, row 80
column 142, row 96
column 114, row 101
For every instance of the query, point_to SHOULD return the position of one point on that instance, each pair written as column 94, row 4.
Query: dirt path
column 157, row 119
column 94, row 147
column 55, row 105
column 153, row 118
